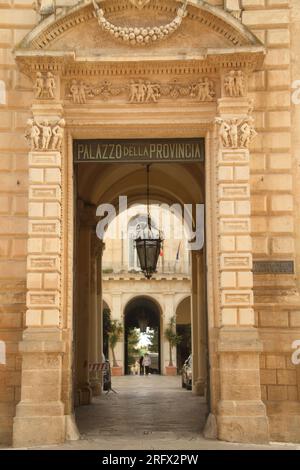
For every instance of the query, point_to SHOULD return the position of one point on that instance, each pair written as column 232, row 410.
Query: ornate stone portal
column 96, row 95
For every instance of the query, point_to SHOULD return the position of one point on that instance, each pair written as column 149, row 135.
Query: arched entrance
column 143, row 313
column 96, row 97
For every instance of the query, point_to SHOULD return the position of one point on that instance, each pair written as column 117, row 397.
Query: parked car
column 186, row 375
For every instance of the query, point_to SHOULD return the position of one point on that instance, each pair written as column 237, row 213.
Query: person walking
column 141, row 365
column 147, row 363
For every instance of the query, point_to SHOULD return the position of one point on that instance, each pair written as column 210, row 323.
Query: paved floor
column 148, row 413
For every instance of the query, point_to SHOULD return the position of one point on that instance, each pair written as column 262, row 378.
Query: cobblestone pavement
column 148, row 413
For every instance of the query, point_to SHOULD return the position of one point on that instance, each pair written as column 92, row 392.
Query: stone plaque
column 139, row 150
column 273, row 267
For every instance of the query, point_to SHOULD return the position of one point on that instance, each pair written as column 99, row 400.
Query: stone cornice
column 210, row 61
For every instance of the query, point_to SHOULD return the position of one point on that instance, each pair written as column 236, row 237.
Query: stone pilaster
column 241, row 412
column 95, row 314
column 84, row 305
column 40, row 414
column 199, row 324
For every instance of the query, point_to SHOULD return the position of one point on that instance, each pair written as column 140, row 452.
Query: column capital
column 86, row 213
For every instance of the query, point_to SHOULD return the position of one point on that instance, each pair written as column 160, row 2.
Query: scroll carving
column 236, row 133
column 141, row 91
column 44, row 135
column 140, row 36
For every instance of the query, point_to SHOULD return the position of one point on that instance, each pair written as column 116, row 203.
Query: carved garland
column 140, row 36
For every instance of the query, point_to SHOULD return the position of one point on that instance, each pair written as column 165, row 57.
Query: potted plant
column 174, row 339
column 116, row 330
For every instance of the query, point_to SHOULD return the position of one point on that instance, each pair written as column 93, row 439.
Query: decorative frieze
column 236, row 133
column 45, row 135
column 141, row 91
column 140, row 36
column 45, row 86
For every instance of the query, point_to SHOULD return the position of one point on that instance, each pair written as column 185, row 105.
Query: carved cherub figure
column 153, row 92
column 46, row 134
column 247, row 132
column 74, row 91
column 229, row 84
column 224, row 132
column 33, row 134
column 234, row 132
column 50, row 85
column 240, row 83
column 58, row 134
column 39, row 85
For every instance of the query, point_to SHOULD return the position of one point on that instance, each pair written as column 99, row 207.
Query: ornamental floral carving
column 140, row 36
column 44, row 86
column 235, row 84
column 79, row 91
column 236, row 133
column 141, row 91
column 45, row 135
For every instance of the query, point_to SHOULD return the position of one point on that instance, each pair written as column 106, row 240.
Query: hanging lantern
column 148, row 242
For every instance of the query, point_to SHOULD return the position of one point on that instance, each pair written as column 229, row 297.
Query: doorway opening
column 109, row 280
column 142, row 330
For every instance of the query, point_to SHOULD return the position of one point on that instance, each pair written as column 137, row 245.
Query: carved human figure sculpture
column 247, row 132
column 236, row 133
column 234, row 84
column 58, row 134
column 33, row 134
column 39, row 85
column 46, row 134
column 50, row 85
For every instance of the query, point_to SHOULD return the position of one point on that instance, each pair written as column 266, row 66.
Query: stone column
column 195, row 321
column 83, row 305
column 100, row 310
column 241, row 412
column 40, row 414
column 169, row 312
column 95, row 314
column 199, row 325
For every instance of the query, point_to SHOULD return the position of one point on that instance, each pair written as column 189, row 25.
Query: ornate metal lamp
column 148, row 242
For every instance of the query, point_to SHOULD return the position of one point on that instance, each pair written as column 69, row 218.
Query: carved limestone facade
column 223, row 74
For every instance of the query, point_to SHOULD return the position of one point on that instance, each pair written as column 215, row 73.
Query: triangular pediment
column 204, row 30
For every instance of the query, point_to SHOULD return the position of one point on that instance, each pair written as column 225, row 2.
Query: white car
column 186, row 376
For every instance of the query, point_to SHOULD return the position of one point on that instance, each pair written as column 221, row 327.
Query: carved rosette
column 45, row 135
column 140, row 36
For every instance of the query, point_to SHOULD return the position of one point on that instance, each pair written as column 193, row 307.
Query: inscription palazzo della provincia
column 139, row 150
